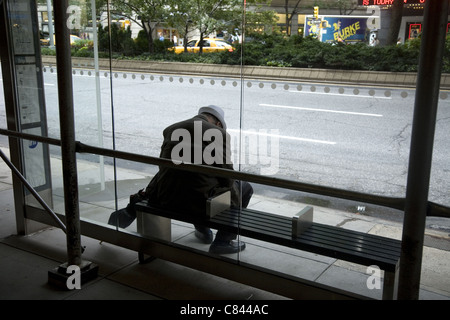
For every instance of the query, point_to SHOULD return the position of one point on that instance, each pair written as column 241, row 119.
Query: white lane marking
column 252, row 132
column 322, row 110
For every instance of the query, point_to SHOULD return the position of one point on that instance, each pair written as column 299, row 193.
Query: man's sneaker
column 204, row 237
column 220, row 247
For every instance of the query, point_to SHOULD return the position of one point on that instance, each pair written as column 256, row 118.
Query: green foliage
column 160, row 47
column 141, row 42
column 82, row 52
column 120, row 40
column 45, row 51
column 267, row 50
column 446, row 59
column 82, row 44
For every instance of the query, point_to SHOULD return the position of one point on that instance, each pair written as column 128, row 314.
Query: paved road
column 353, row 138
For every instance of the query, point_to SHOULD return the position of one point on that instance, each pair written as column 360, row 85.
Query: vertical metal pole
column 50, row 24
column 67, row 128
column 424, row 123
column 98, row 94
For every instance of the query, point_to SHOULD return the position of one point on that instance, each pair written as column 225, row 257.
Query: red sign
column 414, row 30
column 386, row 2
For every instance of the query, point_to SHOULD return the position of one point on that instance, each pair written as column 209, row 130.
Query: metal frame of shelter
column 415, row 205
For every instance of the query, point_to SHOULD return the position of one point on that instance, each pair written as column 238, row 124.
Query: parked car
column 46, row 41
column 209, row 45
column 74, row 39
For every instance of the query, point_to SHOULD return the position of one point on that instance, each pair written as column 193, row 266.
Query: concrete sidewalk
column 26, row 260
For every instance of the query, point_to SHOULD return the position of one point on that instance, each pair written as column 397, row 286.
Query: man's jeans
column 246, row 193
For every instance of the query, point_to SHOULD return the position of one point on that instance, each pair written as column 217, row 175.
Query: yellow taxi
column 45, row 42
column 73, row 40
column 209, row 45
column 44, row 39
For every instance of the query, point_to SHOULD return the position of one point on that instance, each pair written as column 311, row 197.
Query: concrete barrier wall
column 391, row 79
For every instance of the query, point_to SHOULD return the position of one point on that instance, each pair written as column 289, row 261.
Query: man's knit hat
column 216, row 112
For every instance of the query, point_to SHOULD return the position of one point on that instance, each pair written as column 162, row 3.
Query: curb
column 372, row 78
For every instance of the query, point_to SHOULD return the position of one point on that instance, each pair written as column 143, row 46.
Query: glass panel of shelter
column 316, row 133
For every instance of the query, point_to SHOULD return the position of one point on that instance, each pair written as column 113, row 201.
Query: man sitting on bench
column 200, row 140
column 185, row 191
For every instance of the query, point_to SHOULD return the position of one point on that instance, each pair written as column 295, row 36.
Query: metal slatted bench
column 298, row 232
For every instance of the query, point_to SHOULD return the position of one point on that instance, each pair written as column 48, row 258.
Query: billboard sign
column 338, row 28
column 386, row 2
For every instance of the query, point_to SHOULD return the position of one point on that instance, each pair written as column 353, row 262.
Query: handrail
column 437, row 210
column 391, row 202
column 396, row 203
column 32, row 137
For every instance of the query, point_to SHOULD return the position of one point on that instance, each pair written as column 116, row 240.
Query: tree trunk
column 149, row 31
column 289, row 18
column 185, row 38
column 396, row 20
column 201, row 43
column 286, row 8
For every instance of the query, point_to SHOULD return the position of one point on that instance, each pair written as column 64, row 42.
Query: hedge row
column 273, row 50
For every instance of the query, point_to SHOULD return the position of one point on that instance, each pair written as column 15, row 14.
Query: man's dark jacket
column 186, row 191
